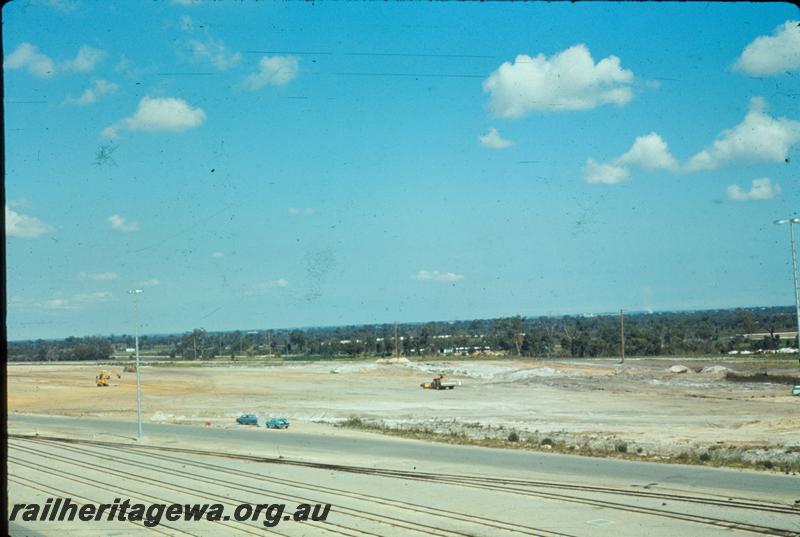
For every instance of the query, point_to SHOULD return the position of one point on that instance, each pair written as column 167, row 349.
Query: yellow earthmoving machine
column 103, row 378
column 438, row 383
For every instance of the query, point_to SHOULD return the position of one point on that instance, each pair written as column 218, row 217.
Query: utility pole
column 136, row 293
column 396, row 342
column 621, row 336
column 791, row 222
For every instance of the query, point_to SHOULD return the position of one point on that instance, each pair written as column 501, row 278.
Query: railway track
column 76, row 499
column 563, row 492
column 381, row 519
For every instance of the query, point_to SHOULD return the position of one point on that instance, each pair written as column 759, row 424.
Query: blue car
column 277, row 423
column 247, row 419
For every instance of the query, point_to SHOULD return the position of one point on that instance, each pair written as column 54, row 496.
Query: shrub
column 621, row 447
column 513, row 437
column 353, row 421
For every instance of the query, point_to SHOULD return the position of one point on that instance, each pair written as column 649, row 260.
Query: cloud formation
column 214, row 52
column 85, row 61
column 493, row 140
column 272, row 71
column 151, row 282
column 24, row 226
column 649, row 152
column 99, row 276
column 760, row 189
column 568, row 80
column 159, row 115
column 28, row 57
column 772, row 54
column 74, row 302
column 90, row 95
column 121, row 224
column 758, row 138
column 263, row 287
column 436, row 276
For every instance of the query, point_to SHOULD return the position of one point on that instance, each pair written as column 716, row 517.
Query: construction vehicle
column 438, row 383
column 103, row 378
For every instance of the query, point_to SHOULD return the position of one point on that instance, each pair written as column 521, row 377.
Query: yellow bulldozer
column 439, row 383
column 103, row 378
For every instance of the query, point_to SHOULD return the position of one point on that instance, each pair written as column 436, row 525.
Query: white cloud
column 151, row 282
column 23, row 226
column 27, row 56
column 99, row 276
column 72, row 303
column 272, row 70
column 133, row 70
column 121, row 224
column 57, row 304
column 215, row 52
column 159, row 114
column 760, row 189
column 98, row 296
column 649, row 152
column 493, row 140
column 436, row 276
column 85, row 61
column 266, row 286
column 772, row 54
column 568, row 80
column 294, row 211
column 90, row 95
column 217, row 254
column 759, row 137
column 608, row 174
column 188, row 2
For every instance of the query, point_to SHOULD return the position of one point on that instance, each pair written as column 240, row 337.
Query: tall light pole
column 791, row 222
column 136, row 293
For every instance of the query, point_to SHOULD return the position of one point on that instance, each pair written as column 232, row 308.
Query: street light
column 791, row 222
column 135, row 293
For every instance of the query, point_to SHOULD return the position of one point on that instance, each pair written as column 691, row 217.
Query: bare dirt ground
column 641, row 405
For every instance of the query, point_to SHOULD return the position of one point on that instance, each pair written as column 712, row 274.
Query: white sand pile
column 715, row 369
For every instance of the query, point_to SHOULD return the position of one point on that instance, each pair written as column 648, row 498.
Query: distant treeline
column 646, row 334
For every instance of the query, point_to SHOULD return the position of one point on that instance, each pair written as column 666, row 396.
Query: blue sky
column 266, row 165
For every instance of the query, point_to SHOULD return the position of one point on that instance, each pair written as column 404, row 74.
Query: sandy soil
column 640, row 402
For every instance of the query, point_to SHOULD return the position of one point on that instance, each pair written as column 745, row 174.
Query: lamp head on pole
column 787, row 221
